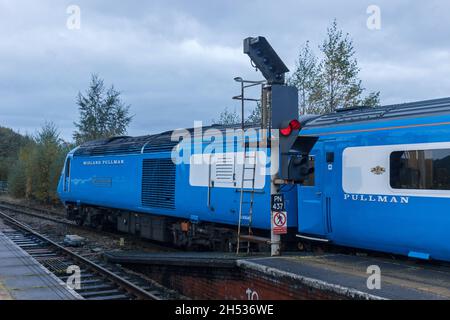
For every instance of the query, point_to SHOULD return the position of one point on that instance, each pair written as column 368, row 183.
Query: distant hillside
column 10, row 144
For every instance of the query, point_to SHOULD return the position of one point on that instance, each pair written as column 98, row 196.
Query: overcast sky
column 174, row 61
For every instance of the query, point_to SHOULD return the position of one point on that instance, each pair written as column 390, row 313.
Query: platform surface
column 400, row 280
column 343, row 274
column 23, row 278
column 174, row 258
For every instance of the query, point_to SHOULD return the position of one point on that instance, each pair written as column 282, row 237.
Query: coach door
column 311, row 197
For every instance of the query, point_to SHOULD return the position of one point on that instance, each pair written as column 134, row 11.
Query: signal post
column 275, row 239
column 280, row 119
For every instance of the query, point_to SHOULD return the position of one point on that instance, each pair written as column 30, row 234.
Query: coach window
column 420, row 169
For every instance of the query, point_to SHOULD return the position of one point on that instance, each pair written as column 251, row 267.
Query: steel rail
column 129, row 287
column 13, row 207
column 25, row 210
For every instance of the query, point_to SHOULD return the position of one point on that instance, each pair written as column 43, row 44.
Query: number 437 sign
column 279, row 214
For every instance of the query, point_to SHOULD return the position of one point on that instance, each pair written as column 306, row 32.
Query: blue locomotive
column 164, row 189
column 378, row 179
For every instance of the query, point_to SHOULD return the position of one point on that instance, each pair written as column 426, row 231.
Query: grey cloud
column 174, row 61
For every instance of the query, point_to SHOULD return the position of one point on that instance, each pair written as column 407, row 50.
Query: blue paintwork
column 419, row 229
column 190, row 202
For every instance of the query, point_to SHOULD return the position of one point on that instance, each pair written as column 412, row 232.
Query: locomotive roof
column 161, row 142
column 389, row 112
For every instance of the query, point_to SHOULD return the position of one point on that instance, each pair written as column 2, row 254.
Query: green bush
column 17, row 180
column 36, row 173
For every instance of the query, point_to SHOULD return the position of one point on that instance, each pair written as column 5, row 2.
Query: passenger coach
column 381, row 180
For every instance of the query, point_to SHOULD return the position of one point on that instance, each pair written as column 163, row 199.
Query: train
column 139, row 186
column 378, row 179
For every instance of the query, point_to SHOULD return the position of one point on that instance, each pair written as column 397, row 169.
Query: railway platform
column 293, row 276
column 23, row 278
column 348, row 276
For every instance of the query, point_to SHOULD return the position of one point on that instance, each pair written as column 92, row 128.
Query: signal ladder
column 249, row 168
column 247, row 196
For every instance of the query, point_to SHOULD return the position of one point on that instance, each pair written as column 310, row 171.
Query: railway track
column 60, row 219
column 98, row 281
column 43, row 214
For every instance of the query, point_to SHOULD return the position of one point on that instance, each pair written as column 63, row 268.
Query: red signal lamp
column 293, row 125
column 286, row 131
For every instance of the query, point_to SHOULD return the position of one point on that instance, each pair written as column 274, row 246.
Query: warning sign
column 279, row 222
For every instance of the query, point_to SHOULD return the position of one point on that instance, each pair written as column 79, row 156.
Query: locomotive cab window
column 66, row 175
column 420, row 169
column 67, row 171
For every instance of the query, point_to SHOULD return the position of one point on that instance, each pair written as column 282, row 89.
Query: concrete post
column 274, row 158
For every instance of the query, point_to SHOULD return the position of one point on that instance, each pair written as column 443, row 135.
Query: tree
column 227, row 117
column 331, row 83
column 17, row 180
column 37, row 169
column 256, row 116
column 10, row 144
column 102, row 113
column 307, row 79
column 46, row 163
